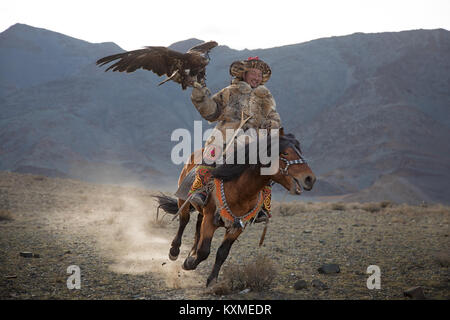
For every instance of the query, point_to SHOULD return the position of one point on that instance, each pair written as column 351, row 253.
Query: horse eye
column 284, row 154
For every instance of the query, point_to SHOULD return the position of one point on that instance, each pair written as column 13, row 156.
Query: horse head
column 294, row 173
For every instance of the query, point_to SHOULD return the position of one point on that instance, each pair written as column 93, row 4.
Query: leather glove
column 266, row 124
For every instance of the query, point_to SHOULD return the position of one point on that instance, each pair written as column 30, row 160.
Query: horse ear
column 281, row 131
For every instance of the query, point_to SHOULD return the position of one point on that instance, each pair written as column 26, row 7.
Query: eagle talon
column 169, row 78
column 197, row 85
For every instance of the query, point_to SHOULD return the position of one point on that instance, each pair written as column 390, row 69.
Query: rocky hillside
column 371, row 111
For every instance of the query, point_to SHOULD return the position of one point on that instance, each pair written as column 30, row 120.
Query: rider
column 246, row 96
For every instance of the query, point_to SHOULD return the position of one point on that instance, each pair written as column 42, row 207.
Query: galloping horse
column 239, row 188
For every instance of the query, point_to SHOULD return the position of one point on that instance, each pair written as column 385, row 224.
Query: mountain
column 371, row 111
column 30, row 56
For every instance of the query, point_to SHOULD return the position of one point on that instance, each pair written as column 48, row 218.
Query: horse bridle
column 284, row 171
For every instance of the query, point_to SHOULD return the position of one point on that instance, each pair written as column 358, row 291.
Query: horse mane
column 229, row 172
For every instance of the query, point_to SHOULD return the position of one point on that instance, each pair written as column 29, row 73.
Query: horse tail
column 169, row 204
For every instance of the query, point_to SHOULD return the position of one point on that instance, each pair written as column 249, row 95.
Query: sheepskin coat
column 225, row 107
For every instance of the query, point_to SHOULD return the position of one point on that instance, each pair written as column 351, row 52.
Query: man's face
column 253, row 77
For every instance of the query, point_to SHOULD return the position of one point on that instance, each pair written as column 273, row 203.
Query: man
column 246, row 97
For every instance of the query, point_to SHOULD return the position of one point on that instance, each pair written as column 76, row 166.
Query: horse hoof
column 208, row 282
column 189, row 263
column 173, row 255
column 173, row 258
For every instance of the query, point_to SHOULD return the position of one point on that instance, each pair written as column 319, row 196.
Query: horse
column 240, row 187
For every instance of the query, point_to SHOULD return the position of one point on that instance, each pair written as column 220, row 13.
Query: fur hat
column 238, row 68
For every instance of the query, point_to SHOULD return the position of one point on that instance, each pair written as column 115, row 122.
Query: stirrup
column 262, row 216
column 198, row 199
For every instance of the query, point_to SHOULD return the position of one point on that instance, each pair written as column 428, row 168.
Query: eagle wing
column 160, row 60
column 204, row 47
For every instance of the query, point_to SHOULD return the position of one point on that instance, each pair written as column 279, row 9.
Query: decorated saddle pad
column 185, row 186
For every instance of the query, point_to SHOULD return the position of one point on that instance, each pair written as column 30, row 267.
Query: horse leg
column 207, row 230
column 197, row 233
column 176, row 242
column 222, row 254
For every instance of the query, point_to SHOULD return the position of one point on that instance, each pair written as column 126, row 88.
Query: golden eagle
column 183, row 68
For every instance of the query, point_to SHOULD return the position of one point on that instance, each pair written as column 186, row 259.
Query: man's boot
column 198, row 199
column 264, row 214
column 202, row 176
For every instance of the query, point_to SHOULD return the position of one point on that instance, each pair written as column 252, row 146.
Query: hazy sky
column 238, row 24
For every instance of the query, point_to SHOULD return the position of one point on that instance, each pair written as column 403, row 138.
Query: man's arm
column 273, row 120
column 269, row 111
column 210, row 108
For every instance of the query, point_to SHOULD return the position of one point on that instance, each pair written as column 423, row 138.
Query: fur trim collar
column 244, row 87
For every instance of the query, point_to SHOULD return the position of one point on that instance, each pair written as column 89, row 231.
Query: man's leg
column 198, row 188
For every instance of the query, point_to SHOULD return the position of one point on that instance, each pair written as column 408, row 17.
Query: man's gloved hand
column 198, row 95
column 268, row 124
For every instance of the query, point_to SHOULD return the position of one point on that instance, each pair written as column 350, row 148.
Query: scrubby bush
column 371, row 207
column 287, row 209
column 338, row 206
column 256, row 275
column 5, row 215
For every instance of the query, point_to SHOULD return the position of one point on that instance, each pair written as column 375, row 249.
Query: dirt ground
column 110, row 232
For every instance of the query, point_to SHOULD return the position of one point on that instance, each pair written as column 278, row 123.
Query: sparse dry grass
column 443, row 258
column 286, row 209
column 160, row 223
column 428, row 209
column 386, row 204
column 256, row 275
column 5, row 215
column 371, row 207
column 375, row 206
column 124, row 253
column 295, row 207
column 338, row 206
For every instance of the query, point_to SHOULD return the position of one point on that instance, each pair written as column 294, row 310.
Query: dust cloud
column 124, row 226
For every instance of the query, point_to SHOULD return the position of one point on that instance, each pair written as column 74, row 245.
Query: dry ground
column 111, row 234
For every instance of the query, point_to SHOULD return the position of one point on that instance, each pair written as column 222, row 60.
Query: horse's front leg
column 222, row 254
column 176, row 242
column 197, row 234
column 207, row 230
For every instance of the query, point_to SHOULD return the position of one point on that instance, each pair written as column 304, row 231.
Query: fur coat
column 225, row 107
